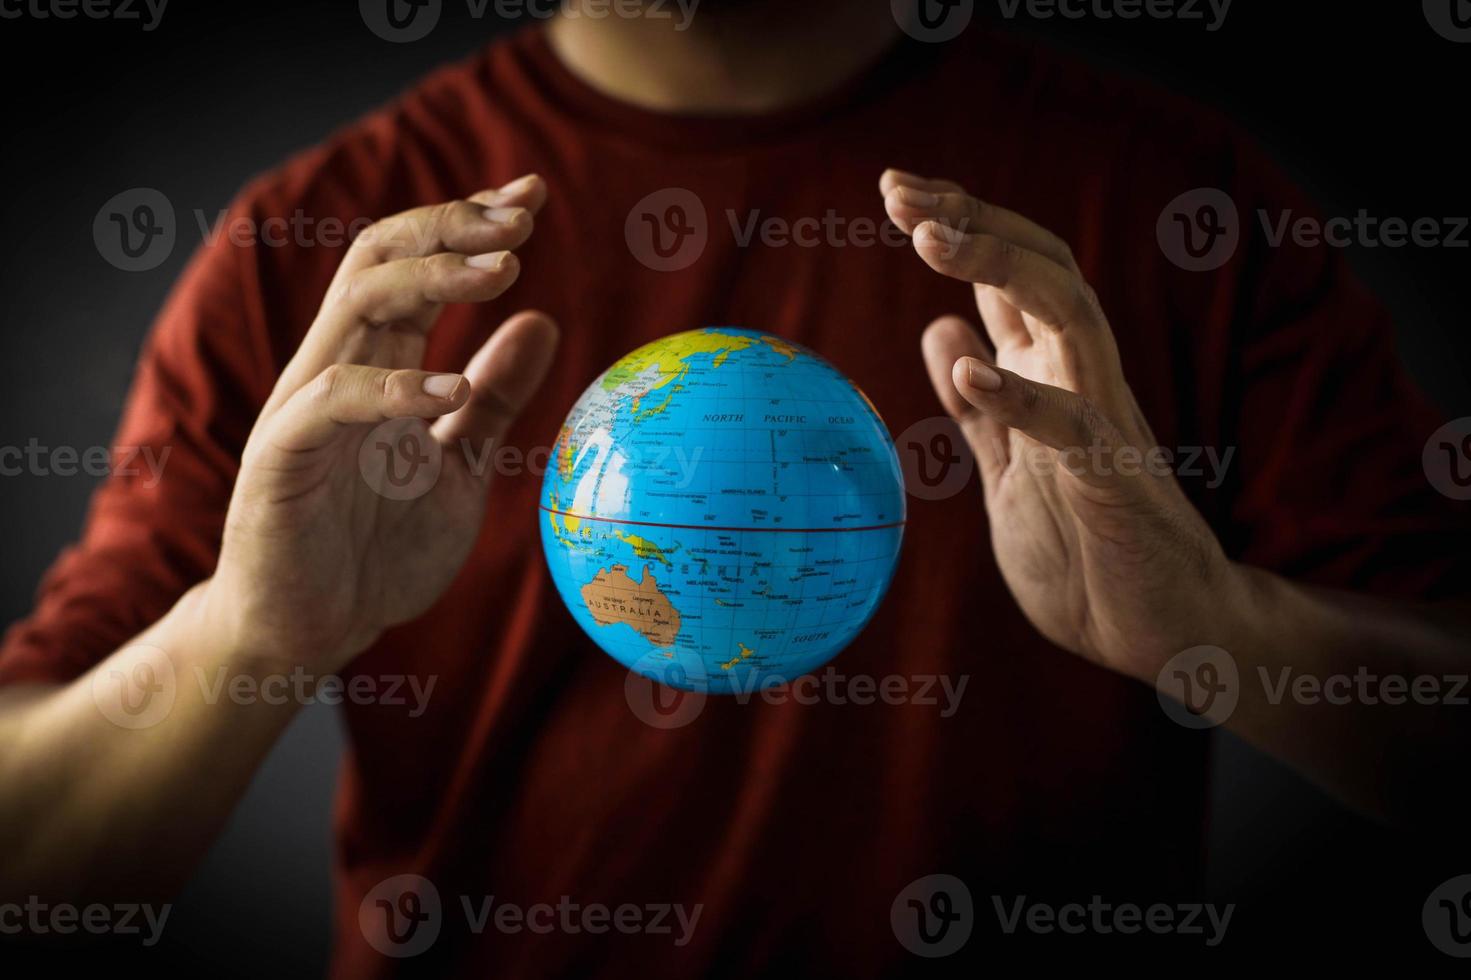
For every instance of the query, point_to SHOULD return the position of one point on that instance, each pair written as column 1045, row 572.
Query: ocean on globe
column 722, row 511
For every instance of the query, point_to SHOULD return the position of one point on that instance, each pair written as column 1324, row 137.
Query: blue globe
column 722, row 511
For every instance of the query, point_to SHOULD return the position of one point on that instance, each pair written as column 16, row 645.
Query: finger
column 529, row 192
column 454, row 226
column 489, row 221
column 409, row 292
column 946, row 341
column 1003, row 322
column 352, row 394
column 892, row 178
column 403, row 295
column 1036, row 285
column 909, row 206
column 1055, row 417
column 503, row 375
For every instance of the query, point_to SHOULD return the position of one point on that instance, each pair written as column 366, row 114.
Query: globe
column 722, row 511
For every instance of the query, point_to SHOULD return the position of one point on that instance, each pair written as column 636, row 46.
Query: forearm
column 97, row 798
column 1368, row 697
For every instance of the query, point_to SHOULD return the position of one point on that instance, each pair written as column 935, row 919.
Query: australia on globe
column 722, row 511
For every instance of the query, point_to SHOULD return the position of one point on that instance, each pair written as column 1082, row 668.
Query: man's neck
column 738, row 57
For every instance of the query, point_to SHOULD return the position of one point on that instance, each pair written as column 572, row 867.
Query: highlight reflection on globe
column 723, row 510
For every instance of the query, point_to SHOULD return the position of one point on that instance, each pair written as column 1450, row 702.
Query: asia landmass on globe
column 723, row 510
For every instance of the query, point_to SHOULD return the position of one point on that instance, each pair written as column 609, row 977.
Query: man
column 792, row 828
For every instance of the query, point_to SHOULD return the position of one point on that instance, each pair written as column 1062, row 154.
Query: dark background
column 1364, row 103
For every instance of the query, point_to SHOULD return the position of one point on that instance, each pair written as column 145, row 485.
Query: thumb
column 503, row 375
column 945, row 342
column 1057, row 418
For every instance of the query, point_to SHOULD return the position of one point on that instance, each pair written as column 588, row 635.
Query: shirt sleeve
column 204, row 372
column 1330, row 484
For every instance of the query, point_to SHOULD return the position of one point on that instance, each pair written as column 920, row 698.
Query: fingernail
column 518, row 185
column 916, row 198
column 944, row 233
column 494, row 261
column 441, row 385
column 503, row 216
column 981, row 375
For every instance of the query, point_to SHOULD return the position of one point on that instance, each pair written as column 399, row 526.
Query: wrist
column 1224, row 611
column 1233, row 621
column 220, row 636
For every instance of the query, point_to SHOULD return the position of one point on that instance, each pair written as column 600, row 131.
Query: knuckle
column 386, row 235
column 440, row 215
column 1082, row 309
column 977, row 211
column 1002, row 259
column 390, row 382
column 1030, row 397
column 1088, row 298
column 1089, row 424
column 423, row 269
column 329, row 384
column 352, row 292
column 369, row 237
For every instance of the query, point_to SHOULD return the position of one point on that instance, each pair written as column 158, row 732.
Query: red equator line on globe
column 712, row 527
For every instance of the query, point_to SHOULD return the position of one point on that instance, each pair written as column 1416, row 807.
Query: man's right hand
column 316, row 563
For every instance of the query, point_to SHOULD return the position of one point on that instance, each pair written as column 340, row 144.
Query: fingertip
column 534, row 328
column 894, row 177
column 960, row 374
column 946, row 336
column 528, row 191
column 931, row 233
column 974, row 376
column 545, row 321
column 498, row 262
column 535, row 192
